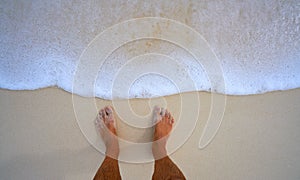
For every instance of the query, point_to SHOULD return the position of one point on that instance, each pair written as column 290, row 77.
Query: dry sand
column 258, row 138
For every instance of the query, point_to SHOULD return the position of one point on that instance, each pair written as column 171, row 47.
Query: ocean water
column 256, row 47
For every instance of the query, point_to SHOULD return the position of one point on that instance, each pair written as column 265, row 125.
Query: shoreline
column 203, row 91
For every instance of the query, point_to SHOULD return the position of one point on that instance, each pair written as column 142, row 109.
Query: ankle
column 159, row 151
column 112, row 152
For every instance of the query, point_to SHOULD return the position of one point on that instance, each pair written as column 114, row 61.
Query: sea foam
column 257, row 44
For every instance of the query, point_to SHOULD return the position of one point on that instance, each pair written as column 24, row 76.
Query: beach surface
column 258, row 139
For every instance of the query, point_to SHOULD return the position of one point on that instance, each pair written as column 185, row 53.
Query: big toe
column 109, row 113
column 103, row 114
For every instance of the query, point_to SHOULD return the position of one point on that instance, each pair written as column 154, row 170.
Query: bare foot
column 164, row 123
column 106, row 124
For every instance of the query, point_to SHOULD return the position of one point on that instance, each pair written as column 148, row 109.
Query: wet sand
column 258, row 138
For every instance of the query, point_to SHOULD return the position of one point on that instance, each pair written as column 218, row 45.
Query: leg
column 106, row 124
column 164, row 167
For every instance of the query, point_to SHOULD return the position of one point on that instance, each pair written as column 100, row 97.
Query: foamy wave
column 256, row 42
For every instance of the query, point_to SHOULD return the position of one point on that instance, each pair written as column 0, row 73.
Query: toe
column 99, row 120
column 100, row 114
column 167, row 114
column 104, row 116
column 171, row 120
column 109, row 112
column 157, row 114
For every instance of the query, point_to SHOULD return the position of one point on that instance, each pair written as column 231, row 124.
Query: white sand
column 258, row 138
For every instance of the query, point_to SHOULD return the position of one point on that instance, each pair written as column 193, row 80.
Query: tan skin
column 164, row 167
